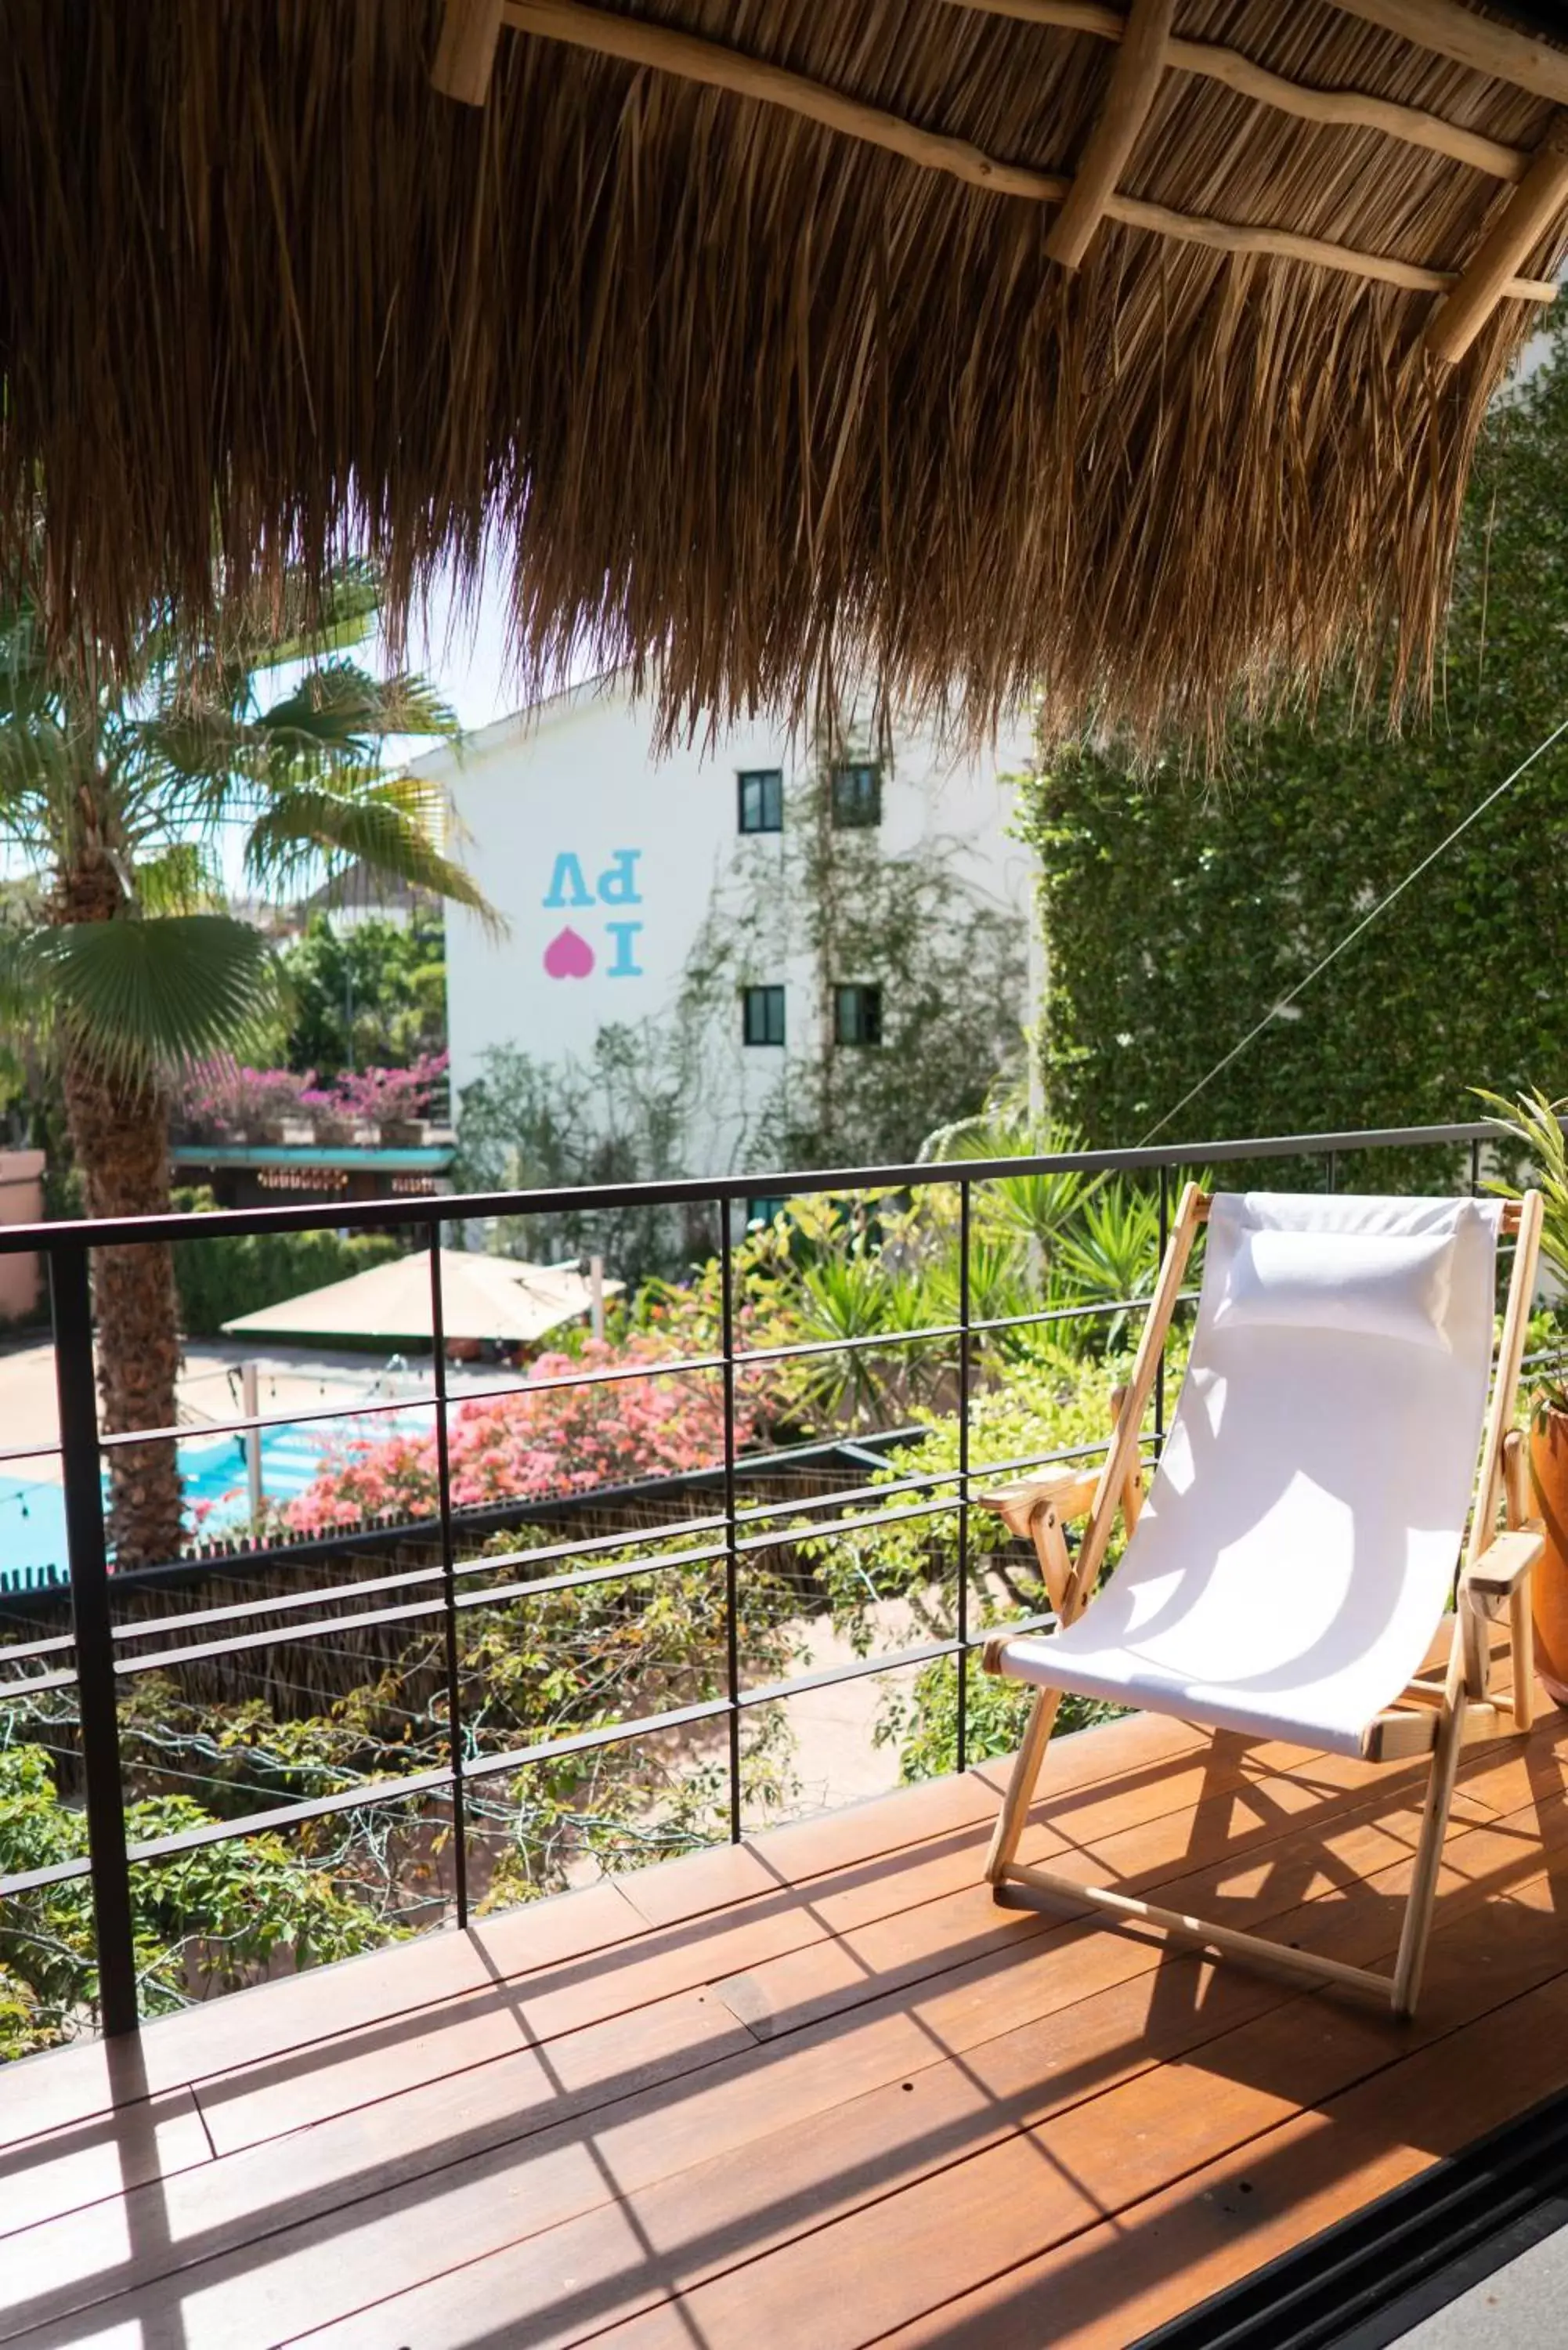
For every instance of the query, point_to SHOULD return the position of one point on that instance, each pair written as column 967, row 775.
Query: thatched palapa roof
column 994, row 341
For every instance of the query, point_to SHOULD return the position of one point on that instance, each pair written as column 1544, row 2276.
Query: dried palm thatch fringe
column 746, row 398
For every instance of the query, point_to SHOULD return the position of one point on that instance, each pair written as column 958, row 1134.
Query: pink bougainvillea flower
column 541, row 1441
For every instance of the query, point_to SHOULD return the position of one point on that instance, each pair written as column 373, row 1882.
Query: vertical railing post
column 731, row 1551
column 448, row 1583
column 1475, row 1166
column 82, row 1471
column 964, row 1366
column 1159, row 1366
column 1333, row 1170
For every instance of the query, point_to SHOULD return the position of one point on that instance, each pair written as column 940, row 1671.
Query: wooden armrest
column 1504, row 1563
column 1068, row 1490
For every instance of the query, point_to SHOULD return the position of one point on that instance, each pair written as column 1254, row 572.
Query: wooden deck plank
column 293, row 2282
column 73, row 2085
column 65, row 2170
column 1159, row 2257
column 595, row 2088
column 709, row 2187
column 868, row 1885
column 851, row 2281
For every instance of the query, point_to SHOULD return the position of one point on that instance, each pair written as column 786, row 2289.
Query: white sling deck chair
column 1291, row 1567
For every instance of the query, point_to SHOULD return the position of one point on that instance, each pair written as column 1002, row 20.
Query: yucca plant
column 118, row 781
column 1533, row 1121
column 1034, row 1207
column 1109, row 1253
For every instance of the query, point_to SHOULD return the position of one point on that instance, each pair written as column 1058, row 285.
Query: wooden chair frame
column 1438, row 1714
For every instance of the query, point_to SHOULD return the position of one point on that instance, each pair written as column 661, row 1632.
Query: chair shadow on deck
column 856, row 2057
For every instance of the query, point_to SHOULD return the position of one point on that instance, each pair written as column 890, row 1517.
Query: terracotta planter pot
column 1548, row 1477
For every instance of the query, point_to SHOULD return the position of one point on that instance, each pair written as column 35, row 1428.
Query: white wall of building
column 604, row 861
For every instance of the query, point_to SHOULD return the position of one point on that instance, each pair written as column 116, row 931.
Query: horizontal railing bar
column 28, row 1452
column 242, row 1607
column 656, row 1371
column 583, row 1742
column 33, row 1880
column 375, row 1215
column 279, row 1635
column 33, row 1683
column 287, row 1816
column 261, row 1421
column 1074, row 1313
column 616, row 1572
column 776, row 1692
column 808, row 1347
column 482, row 1564
column 49, row 1647
column 836, row 1499
column 867, row 1525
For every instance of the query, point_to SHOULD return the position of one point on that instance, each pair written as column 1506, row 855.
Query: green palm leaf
column 161, row 994
column 390, row 825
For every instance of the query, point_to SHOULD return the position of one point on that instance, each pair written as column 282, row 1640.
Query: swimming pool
column 33, row 1510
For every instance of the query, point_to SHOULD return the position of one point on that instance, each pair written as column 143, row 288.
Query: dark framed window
column 760, row 792
column 858, row 1015
column 763, row 1208
column 856, row 794
column 762, row 1015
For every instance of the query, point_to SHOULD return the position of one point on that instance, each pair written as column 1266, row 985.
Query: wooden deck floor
column 818, row 2090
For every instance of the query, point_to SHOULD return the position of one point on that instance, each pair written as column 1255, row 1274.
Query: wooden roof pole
column 1454, row 31
column 1535, row 204
column 1135, row 77
column 1351, row 110
column 635, row 41
column 638, row 42
column 465, row 50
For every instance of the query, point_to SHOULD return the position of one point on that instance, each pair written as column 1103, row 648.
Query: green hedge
column 1176, row 915
column 217, row 1279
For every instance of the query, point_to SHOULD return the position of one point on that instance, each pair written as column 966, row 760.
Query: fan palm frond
column 389, row 823
column 149, row 996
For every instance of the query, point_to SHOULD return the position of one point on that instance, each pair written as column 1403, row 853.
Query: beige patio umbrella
column 483, row 1297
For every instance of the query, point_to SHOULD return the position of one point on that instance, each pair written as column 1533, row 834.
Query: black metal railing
column 107, row 1653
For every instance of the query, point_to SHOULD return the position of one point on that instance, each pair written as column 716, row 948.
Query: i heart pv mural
column 571, row 955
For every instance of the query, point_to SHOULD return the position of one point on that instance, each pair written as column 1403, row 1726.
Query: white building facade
column 615, row 868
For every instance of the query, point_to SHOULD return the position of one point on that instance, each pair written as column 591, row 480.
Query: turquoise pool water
column 32, row 1512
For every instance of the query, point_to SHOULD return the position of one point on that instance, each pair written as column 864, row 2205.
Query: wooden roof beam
column 465, row 49
column 1538, row 200
column 1451, row 30
column 634, row 41
column 1135, row 77
column 637, row 42
column 1350, row 109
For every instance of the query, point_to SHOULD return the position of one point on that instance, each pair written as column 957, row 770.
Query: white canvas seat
column 1297, row 1550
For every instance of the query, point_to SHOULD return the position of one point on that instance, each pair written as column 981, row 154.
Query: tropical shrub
column 544, row 1439
column 214, row 1915
column 216, row 1097
column 923, row 1723
column 391, row 1096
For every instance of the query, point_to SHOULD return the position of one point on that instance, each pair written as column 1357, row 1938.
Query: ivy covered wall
column 1177, row 912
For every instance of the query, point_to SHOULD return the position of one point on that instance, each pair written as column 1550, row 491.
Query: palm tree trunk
column 119, row 1134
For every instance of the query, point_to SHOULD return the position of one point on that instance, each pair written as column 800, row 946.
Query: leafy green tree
column 118, row 781
column 216, row 1914
column 1175, row 916
column 369, row 995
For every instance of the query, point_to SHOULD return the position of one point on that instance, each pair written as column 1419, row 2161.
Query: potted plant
column 1536, row 1122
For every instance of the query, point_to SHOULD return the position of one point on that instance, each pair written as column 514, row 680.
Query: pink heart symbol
column 567, row 956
